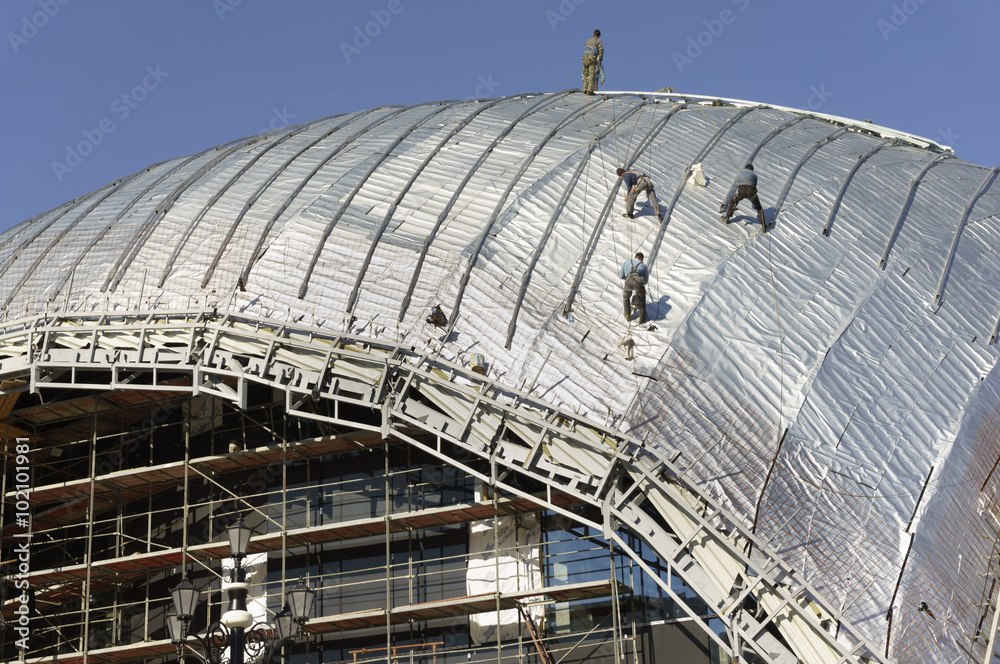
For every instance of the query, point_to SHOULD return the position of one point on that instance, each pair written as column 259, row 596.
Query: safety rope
column 578, row 71
column 628, row 146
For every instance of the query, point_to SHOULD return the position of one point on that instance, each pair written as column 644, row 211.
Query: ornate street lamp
column 229, row 641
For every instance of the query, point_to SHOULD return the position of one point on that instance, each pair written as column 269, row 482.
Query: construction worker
column 593, row 56
column 635, row 183
column 635, row 274
column 746, row 187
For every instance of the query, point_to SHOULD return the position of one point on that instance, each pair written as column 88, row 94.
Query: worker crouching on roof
column 635, row 183
column 635, row 274
column 746, row 187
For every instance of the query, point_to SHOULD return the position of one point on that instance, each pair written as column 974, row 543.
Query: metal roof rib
column 917, row 179
column 480, row 107
column 966, row 211
column 111, row 189
column 266, row 183
column 779, row 203
column 655, row 250
column 760, row 146
column 316, row 169
column 539, row 103
column 212, row 201
column 574, row 179
column 464, row 281
column 163, row 208
column 847, row 181
column 131, row 205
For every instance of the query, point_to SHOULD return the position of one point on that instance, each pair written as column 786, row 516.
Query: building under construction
column 392, row 342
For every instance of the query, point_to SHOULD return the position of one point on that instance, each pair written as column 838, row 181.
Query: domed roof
column 826, row 380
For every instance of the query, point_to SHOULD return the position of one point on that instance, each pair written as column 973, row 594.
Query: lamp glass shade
column 300, row 598
column 284, row 625
column 185, row 599
column 175, row 626
column 239, row 538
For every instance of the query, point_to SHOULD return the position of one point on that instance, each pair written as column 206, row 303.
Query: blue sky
column 94, row 90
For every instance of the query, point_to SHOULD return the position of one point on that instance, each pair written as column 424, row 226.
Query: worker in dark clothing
column 635, row 274
column 593, row 56
column 635, row 183
column 746, row 187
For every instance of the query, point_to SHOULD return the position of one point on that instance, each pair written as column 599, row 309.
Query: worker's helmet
column 749, row 166
column 620, row 171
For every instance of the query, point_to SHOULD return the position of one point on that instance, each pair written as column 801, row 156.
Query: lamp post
column 231, row 634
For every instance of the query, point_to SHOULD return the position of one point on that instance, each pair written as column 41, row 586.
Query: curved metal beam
column 966, row 211
column 904, row 210
column 316, row 169
column 262, row 187
column 795, row 171
column 186, row 235
column 684, row 178
column 847, row 181
column 212, row 201
column 15, row 253
column 386, row 153
column 215, row 198
column 163, row 208
column 606, row 211
column 111, row 189
column 481, row 241
column 106, row 228
column 574, row 179
column 540, row 103
column 353, row 298
column 131, row 206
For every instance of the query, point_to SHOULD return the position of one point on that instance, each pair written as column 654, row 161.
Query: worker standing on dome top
column 746, row 187
column 635, row 274
column 593, row 56
column 634, row 184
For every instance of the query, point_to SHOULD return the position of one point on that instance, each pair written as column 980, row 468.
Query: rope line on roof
column 533, row 259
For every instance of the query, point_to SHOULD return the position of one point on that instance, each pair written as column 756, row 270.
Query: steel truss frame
column 635, row 486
